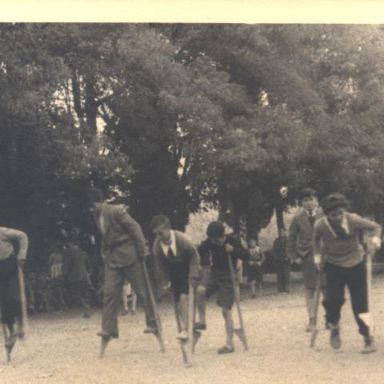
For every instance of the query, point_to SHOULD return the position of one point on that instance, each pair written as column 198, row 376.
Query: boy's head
column 216, row 233
column 161, row 227
column 309, row 199
column 253, row 248
column 334, row 207
column 252, row 243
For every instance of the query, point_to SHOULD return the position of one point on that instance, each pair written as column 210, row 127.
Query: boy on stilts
column 123, row 249
column 13, row 253
column 216, row 251
column 300, row 247
column 176, row 260
column 339, row 253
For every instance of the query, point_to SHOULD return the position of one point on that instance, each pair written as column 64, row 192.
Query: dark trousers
column 355, row 278
column 179, row 277
column 80, row 293
column 10, row 304
column 58, row 292
column 283, row 271
column 114, row 279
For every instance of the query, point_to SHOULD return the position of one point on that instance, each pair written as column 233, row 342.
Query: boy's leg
column 134, row 275
column 125, row 300
column 201, row 292
column 133, row 301
column 182, row 306
column 113, row 284
column 334, row 300
column 260, row 280
column 357, row 285
column 228, row 321
column 253, row 288
column 225, row 300
column 334, row 293
column 309, row 296
column 12, row 302
column 309, row 302
column 205, row 289
column 310, row 277
column 61, row 294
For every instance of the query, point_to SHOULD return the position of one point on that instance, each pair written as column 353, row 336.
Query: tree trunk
column 279, row 210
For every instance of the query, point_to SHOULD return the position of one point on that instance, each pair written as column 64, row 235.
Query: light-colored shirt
column 172, row 245
column 312, row 213
column 7, row 237
column 345, row 251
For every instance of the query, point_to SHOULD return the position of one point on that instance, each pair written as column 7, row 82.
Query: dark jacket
column 77, row 261
column 215, row 255
column 123, row 242
column 299, row 241
column 185, row 251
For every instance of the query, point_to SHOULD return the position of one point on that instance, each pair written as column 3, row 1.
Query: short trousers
column 254, row 273
column 310, row 273
column 220, row 282
column 179, row 279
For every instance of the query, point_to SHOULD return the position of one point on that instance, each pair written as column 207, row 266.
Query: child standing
column 255, row 271
column 338, row 251
column 300, row 246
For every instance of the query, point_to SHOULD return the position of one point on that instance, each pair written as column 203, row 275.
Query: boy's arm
column 22, row 239
column 368, row 225
column 291, row 240
column 241, row 252
column 134, row 230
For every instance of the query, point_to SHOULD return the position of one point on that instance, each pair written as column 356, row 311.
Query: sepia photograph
column 191, row 202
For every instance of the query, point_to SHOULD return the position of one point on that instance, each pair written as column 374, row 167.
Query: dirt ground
column 64, row 348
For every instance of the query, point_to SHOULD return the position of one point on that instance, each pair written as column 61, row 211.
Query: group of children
column 206, row 269
column 325, row 241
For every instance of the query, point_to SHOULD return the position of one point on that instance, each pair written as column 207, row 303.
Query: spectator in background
column 282, row 262
column 77, row 276
column 56, row 274
column 39, row 283
column 255, row 271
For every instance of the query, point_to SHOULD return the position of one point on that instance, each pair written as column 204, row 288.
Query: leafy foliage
column 165, row 118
